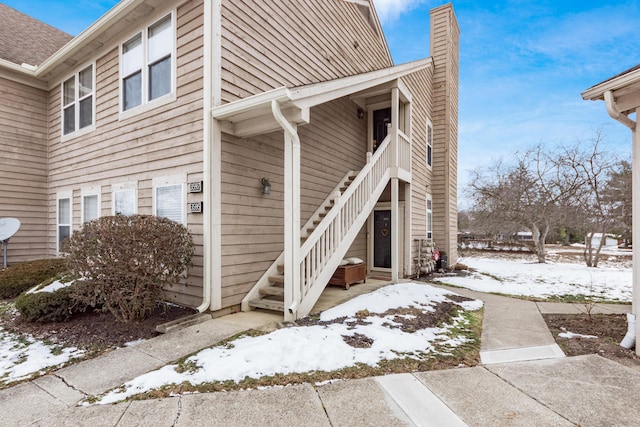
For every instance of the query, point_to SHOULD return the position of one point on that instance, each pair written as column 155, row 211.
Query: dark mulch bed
column 98, row 331
column 609, row 328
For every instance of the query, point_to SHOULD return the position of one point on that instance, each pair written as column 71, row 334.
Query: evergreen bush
column 17, row 278
column 56, row 306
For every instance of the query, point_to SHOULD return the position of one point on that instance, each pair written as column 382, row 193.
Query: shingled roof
column 25, row 40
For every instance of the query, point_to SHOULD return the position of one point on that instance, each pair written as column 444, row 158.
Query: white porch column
column 395, row 231
column 291, row 213
column 395, row 200
column 635, row 206
column 291, row 223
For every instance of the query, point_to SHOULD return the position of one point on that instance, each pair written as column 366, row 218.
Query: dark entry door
column 382, row 239
column 380, row 120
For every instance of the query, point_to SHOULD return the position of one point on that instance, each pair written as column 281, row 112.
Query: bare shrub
column 123, row 262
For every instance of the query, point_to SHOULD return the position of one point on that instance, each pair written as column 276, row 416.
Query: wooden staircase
column 329, row 233
column 271, row 295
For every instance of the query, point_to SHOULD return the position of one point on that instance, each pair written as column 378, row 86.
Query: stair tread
column 277, row 278
column 272, row 290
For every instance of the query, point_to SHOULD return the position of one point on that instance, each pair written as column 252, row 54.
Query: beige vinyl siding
column 445, row 39
column 252, row 232
column 420, row 86
column 23, row 168
column 159, row 142
column 291, row 43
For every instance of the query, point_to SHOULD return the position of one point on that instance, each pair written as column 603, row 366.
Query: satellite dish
column 8, row 227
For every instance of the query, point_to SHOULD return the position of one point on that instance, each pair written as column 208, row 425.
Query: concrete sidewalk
column 525, row 380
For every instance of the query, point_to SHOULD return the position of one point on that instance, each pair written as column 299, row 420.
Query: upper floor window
column 429, row 145
column 78, row 101
column 147, row 64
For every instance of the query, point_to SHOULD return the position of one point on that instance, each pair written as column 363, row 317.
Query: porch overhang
column 252, row 115
column 625, row 88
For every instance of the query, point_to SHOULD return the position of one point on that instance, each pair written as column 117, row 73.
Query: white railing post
column 321, row 252
column 395, row 125
column 338, row 220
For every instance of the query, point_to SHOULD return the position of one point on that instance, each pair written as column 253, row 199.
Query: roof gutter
column 206, row 139
column 119, row 11
column 613, row 111
column 291, row 213
column 23, row 74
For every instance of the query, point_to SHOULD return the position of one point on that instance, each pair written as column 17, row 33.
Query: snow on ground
column 571, row 335
column 312, row 348
column 22, row 356
column 525, row 278
column 52, row 287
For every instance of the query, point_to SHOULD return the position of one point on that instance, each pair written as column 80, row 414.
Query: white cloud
column 390, row 10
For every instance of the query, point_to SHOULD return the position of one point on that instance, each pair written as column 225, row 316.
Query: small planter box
column 346, row 275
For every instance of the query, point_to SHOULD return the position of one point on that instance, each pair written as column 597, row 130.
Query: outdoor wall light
column 266, row 186
column 360, row 113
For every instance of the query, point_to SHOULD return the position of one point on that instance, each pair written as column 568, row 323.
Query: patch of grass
column 467, row 325
column 578, row 298
column 186, row 366
column 493, row 276
column 5, row 308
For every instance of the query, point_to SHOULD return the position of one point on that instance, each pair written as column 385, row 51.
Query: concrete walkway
column 524, row 380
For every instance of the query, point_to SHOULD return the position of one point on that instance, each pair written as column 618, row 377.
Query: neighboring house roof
column 25, row 40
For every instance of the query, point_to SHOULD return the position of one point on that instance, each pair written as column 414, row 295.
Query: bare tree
column 594, row 167
column 529, row 191
column 618, row 193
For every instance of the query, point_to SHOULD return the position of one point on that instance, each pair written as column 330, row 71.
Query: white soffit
column 252, row 115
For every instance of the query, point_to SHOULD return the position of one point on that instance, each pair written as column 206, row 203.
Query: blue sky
column 523, row 64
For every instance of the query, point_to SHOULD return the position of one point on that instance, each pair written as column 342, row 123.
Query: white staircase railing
column 322, row 252
column 328, row 243
column 264, row 280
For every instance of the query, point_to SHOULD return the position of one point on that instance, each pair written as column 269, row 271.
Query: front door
column 381, row 118
column 382, row 239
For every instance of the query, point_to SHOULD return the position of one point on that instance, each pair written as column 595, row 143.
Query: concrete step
column 183, row 322
column 268, row 304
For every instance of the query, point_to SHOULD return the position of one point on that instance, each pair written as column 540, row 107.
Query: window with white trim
column 169, row 198
column 63, row 217
column 147, row 64
column 90, row 204
column 78, row 101
column 429, row 147
column 124, row 198
column 429, row 217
